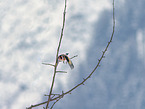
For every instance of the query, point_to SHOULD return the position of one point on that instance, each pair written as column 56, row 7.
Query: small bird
column 64, row 57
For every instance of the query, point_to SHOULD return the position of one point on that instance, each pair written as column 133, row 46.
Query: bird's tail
column 69, row 62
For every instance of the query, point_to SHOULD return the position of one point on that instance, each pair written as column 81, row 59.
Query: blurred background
column 29, row 35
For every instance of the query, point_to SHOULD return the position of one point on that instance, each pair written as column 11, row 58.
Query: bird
column 64, row 57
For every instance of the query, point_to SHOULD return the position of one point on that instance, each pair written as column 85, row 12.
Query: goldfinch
column 64, row 57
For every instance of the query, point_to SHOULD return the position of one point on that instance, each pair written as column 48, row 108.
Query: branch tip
column 73, row 56
column 48, row 64
column 61, row 72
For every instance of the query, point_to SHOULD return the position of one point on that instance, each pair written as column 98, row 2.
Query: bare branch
column 73, row 56
column 48, row 64
column 61, row 72
column 49, row 98
column 52, row 94
column 54, row 103
column 36, row 105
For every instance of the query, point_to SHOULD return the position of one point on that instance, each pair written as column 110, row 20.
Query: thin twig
column 61, row 72
column 54, row 103
column 49, row 98
column 73, row 56
column 48, row 64
column 52, row 94
column 36, row 105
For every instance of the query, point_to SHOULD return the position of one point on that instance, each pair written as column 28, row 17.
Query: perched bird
column 64, row 57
